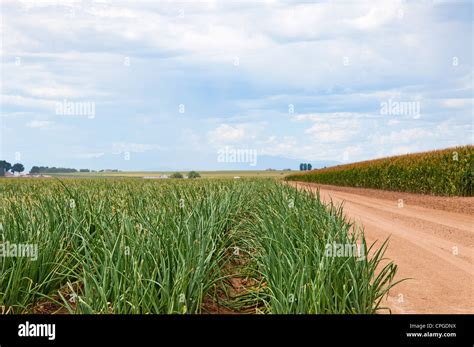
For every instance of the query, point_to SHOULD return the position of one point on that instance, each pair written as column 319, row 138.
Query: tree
column 193, row 174
column 177, row 175
column 310, row 166
column 45, row 169
column 4, row 167
column 301, row 167
column 18, row 168
column 305, row 167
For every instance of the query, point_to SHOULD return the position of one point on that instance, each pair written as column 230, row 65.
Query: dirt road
column 431, row 240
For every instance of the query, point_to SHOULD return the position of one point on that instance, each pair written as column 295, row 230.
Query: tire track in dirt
column 433, row 247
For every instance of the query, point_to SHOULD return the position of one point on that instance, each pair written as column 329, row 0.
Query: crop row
column 134, row 246
column 442, row 172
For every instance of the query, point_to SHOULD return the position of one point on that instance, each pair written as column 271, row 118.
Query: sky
column 166, row 85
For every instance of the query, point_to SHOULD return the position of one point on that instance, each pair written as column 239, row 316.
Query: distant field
column 442, row 172
column 204, row 174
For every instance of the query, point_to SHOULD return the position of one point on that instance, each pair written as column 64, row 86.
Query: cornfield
column 135, row 246
column 442, row 172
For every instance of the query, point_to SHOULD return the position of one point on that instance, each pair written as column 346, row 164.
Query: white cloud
column 39, row 124
column 332, row 127
column 457, row 103
column 399, row 150
column 329, row 116
column 328, row 133
column 287, row 146
column 393, row 122
column 403, row 136
column 22, row 101
column 226, row 133
column 351, row 153
column 378, row 14
column 53, row 92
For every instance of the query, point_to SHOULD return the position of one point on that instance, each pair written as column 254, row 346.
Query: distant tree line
column 305, row 166
column 46, row 169
column 5, row 166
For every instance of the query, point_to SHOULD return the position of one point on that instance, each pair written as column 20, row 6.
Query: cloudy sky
column 155, row 85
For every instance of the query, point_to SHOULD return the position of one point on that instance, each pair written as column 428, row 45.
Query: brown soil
column 431, row 241
column 235, row 286
column 450, row 204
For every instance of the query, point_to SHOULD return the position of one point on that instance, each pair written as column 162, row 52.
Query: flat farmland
column 204, row 174
column 122, row 245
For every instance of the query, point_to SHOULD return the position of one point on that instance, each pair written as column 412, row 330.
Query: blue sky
column 172, row 83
